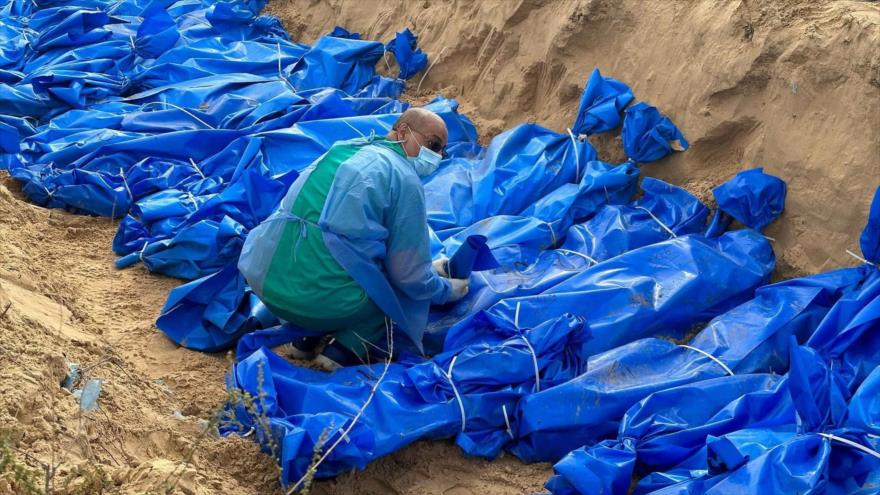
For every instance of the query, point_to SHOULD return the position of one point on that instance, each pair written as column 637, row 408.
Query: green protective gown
column 303, row 282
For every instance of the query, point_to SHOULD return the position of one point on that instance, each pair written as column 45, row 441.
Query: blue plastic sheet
column 752, row 197
column 601, row 105
column 613, row 230
column 410, row 59
column 473, row 255
column 707, row 437
column 206, row 314
column 519, row 167
column 648, row 135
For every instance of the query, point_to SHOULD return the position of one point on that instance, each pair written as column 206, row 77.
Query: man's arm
column 408, row 257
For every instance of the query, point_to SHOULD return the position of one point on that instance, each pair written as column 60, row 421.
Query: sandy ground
column 793, row 86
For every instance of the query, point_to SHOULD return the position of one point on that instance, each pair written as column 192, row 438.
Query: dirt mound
column 790, row 85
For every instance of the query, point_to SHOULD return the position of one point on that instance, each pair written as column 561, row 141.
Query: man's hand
column 440, row 266
column 460, row 288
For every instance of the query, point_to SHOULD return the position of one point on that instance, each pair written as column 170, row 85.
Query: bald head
column 418, row 127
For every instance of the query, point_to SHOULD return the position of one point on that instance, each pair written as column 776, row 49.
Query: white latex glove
column 460, row 288
column 440, row 266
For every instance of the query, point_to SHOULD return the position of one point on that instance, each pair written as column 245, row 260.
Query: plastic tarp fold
column 648, row 135
column 601, row 105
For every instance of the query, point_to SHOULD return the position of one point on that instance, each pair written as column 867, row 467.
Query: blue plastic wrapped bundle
column 648, row 135
column 870, row 238
column 601, row 104
column 212, row 56
column 662, row 212
column 341, row 32
column 519, row 167
column 347, row 64
column 203, row 245
column 13, row 42
column 542, row 224
column 410, row 59
column 753, row 198
column 526, row 271
column 440, row 398
column 206, row 314
column 715, row 405
column 656, row 278
column 473, row 255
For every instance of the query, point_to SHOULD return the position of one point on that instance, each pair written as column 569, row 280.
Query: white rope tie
column 851, row 444
column 531, row 349
column 582, row 255
column 534, row 362
column 854, row 255
column 278, row 46
column 713, row 358
column 193, row 199
column 455, row 391
column 553, row 237
column 172, row 105
column 516, row 316
column 141, row 253
column 419, row 87
column 366, row 343
column 385, row 58
column 577, row 159
column 125, row 183
column 114, row 7
column 355, row 129
column 507, row 421
column 667, row 229
column 193, row 163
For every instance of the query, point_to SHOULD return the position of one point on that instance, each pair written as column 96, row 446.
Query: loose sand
column 793, row 86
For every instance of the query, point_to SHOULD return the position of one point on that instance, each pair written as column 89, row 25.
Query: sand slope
column 790, row 85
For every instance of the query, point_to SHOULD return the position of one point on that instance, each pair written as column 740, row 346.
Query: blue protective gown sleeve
column 408, row 260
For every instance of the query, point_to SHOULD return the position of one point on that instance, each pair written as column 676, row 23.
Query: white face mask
column 427, row 161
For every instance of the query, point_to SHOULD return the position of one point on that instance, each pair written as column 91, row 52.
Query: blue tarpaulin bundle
column 601, row 104
column 649, row 135
column 189, row 120
column 808, row 431
column 470, row 400
column 614, row 229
